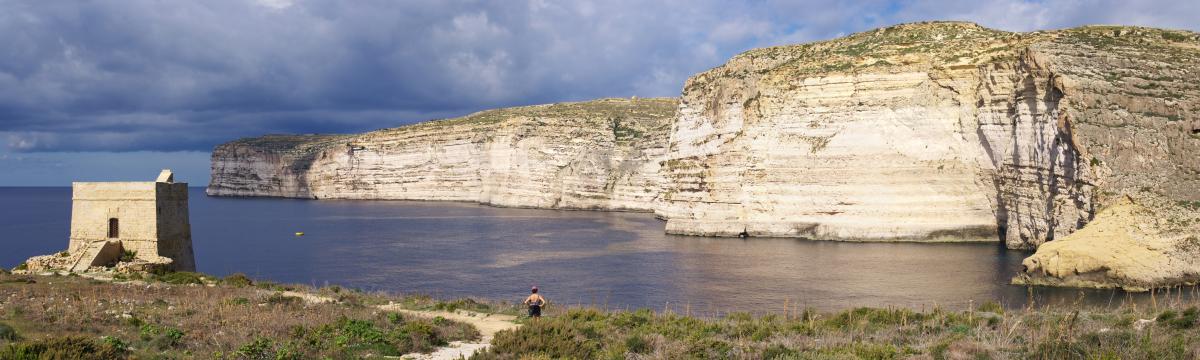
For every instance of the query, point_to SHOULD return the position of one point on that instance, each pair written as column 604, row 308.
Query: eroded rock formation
column 1132, row 244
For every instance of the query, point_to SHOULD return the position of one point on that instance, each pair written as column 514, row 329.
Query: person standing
column 535, row 303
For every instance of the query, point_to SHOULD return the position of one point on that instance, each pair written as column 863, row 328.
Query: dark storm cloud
column 186, row 75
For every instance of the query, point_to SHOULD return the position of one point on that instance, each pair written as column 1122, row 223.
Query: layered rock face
column 935, row 131
column 925, row 132
column 601, row 154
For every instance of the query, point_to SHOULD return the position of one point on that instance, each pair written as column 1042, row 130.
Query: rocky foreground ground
column 187, row 315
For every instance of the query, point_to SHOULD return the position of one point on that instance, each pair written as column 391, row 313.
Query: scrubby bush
column 237, row 280
column 8, row 333
column 161, row 337
column 181, row 278
column 128, row 255
column 1185, row 320
column 991, row 306
column 284, row 300
column 238, row 301
column 777, row 351
column 260, row 348
column 115, row 342
column 462, row 304
column 555, row 338
column 637, row 344
column 70, row 347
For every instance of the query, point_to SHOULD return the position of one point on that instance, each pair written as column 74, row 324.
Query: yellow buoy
column 299, row 233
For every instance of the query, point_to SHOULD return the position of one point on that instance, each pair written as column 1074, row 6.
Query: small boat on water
column 299, row 233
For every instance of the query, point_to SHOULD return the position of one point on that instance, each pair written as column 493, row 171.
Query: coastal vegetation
column 173, row 316
column 986, row 332
column 189, row 315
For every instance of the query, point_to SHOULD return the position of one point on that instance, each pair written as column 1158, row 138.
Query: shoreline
column 933, row 239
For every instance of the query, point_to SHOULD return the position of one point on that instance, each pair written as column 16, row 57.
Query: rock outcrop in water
column 601, row 154
column 927, row 132
column 1133, row 244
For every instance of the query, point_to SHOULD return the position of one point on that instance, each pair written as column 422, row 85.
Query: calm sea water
column 608, row 259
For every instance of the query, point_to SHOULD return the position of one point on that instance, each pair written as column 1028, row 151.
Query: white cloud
column 275, row 4
column 213, row 70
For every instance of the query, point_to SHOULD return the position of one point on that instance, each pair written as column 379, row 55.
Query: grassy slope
column 867, row 333
column 237, row 319
column 233, row 319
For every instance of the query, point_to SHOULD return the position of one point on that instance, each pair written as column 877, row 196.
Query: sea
column 612, row 260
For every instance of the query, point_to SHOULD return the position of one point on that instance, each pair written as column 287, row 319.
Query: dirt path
column 487, row 324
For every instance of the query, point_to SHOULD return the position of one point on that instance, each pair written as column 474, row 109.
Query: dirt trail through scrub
column 487, row 324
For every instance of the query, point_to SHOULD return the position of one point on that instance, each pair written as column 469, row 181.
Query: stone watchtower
column 150, row 218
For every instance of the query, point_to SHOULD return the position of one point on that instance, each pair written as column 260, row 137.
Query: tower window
column 114, row 230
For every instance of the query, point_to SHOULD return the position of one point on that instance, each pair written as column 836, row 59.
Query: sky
column 116, row 90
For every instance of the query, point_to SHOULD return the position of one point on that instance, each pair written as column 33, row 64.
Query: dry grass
column 153, row 319
column 986, row 332
column 80, row 318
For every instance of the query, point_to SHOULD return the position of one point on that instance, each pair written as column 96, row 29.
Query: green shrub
column 637, row 344
column 1166, row 315
column 182, row 278
column 777, row 351
column 420, row 335
column 1185, row 320
column 395, row 318
column 21, row 266
column 464, row 304
column 709, row 348
column 556, row 338
column 161, row 337
column 260, row 348
column 8, row 333
column 70, row 347
column 134, row 321
column 388, row 335
column 238, row 301
column 237, row 280
column 128, row 255
column 992, row 306
column 114, row 342
column 284, row 300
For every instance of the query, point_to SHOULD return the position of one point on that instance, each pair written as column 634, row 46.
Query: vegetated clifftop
column 936, row 130
column 601, row 154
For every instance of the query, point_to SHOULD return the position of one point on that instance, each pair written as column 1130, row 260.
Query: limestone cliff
column 940, row 131
column 935, row 131
column 601, row 154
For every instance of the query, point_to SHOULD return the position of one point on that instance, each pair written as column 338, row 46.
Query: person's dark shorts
column 535, row 311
